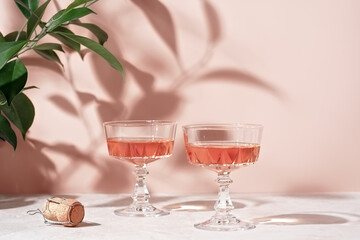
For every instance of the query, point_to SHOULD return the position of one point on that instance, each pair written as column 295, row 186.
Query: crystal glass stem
column 223, row 205
column 223, row 220
column 141, row 194
column 141, row 206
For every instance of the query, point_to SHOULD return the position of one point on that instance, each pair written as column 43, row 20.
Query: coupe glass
column 223, row 148
column 140, row 143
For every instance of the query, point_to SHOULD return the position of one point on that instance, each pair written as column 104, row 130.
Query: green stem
column 90, row 3
column 24, row 50
column 34, row 41
column 19, row 32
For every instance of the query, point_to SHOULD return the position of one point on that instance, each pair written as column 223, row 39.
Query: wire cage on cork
column 67, row 212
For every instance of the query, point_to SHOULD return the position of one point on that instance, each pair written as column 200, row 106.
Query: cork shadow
column 88, row 224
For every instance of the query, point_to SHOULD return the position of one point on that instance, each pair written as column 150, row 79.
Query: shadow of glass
column 320, row 196
column 126, row 201
column 300, row 219
column 160, row 199
column 8, row 202
column 197, row 206
column 253, row 202
column 114, row 203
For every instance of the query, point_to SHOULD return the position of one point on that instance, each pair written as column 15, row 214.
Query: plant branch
column 34, row 41
column 36, row 31
column 19, row 32
column 90, row 3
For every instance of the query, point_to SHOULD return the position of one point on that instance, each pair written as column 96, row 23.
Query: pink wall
column 292, row 66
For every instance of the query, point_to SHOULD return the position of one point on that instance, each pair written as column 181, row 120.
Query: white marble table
column 318, row 216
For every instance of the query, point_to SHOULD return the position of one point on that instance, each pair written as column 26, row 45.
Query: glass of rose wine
column 140, row 142
column 223, row 148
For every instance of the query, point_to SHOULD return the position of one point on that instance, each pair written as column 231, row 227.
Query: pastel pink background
column 292, row 66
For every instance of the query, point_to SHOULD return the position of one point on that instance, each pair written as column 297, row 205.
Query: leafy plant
column 15, row 106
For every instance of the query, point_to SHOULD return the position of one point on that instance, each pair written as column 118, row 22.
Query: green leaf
column 98, row 49
column 11, row 37
column 6, row 132
column 49, row 46
column 98, row 32
column 76, row 3
column 55, row 17
column 66, row 41
column 35, row 18
column 3, row 100
column 13, row 78
column 27, row 6
column 49, row 55
column 8, row 50
column 2, row 39
column 21, row 113
column 71, row 15
column 27, row 88
column 73, row 5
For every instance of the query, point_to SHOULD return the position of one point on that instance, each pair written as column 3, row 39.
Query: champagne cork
column 68, row 212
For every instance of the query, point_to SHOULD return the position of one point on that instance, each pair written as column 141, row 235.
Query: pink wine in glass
column 223, row 148
column 140, row 142
column 222, row 156
column 140, row 151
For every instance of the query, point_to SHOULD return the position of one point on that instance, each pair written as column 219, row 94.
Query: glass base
column 225, row 223
column 142, row 211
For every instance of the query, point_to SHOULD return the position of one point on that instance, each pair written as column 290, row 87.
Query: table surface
column 316, row 216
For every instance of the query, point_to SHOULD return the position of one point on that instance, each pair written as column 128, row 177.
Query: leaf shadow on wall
column 15, row 18
column 28, row 170
column 167, row 103
column 42, row 63
column 151, row 104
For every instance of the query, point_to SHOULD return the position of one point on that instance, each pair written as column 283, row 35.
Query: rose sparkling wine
column 140, row 142
column 140, row 150
column 222, row 156
column 223, row 148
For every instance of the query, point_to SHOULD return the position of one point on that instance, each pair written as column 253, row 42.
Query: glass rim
column 222, row 125
column 137, row 123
